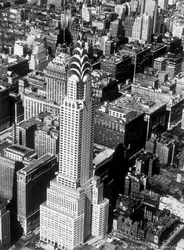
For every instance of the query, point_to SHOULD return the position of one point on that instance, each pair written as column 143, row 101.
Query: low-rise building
column 115, row 124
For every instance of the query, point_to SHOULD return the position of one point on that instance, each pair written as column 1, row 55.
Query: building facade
column 46, row 141
column 5, row 239
column 4, row 108
column 56, row 77
column 32, row 182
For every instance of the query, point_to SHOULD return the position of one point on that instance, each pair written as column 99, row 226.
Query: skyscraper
column 66, row 216
column 55, row 76
column 146, row 28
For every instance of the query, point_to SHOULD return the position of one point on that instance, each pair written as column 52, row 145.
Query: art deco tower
column 66, row 216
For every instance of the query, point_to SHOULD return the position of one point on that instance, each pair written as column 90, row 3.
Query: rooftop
column 137, row 103
column 128, row 115
column 35, row 163
column 21, row 150
column 133, row 48
column 104, row 155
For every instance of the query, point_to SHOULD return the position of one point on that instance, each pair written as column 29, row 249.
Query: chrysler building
column 75, row 208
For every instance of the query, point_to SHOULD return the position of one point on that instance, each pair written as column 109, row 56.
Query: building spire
column 80, row 65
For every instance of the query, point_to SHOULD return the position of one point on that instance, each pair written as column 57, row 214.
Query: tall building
column 10, row 163
column 39, row 58
column 20, row 48
column 34, row 105
column 150, row 7
column 142, row 3
column 162, row 4
column 66, row 216
column 8, row 168
column 137, row 29
column 4, row 108
column 182, row 120
column 56, row 76
column 146, row 28
column 128, row 25
column 5, row 239
column 24, row 134
column 32, row 182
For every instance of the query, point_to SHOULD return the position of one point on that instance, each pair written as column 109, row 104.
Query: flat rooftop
column 21, row 150
column 134, row 49
column 102, row 156
column 135, row 102
column 35, row 163
column 157, row 46
column 129, row 115
column 30, row 123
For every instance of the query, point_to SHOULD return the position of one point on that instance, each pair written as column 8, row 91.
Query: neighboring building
column 19, row 153
column 36, row 80
column 51, row 40
column 173, row 44
column 137, row 29
column 150, row 7
column 146, row 29
column 116, row 29
column 39, row 58
column 46, row 141
column 109, row 47
column 129, row 24
column 8, row 168
column 18, row 65
column 102, row 167
column 139, row 54
column 5, row 238
column 174, row 64
column 157, row 50
column 4, row 108
column 130, row 119
column 32, row 182
column 160, row 63
column 57, row 4
column 16, row 108
column 56, row 78
column 134, row 184
column 24, row 134
column 147, row 164
column 163, row 147
column 103, row 87
column 100, row 209
column 165, row 150
column 70, row 197
column 20, row 48
column 115, row 124
column 162, row 4
column 119, row 66
column 35, row 104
